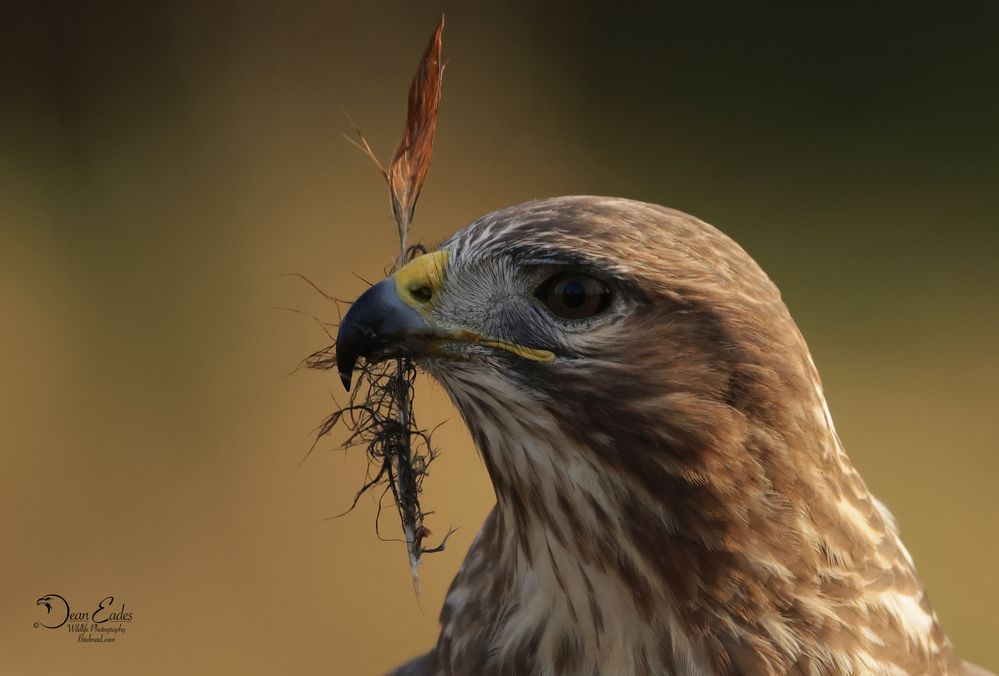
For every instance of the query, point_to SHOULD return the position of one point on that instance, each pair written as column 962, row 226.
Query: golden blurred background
column 163, row 164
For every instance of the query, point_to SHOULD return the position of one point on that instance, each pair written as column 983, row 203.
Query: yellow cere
column 419, row 281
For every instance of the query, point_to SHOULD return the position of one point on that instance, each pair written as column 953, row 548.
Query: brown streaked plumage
column 672, row 497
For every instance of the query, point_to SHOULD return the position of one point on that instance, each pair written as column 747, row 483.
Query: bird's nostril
column 421, row 293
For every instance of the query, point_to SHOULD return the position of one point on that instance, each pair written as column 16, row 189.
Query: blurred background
column 163, row 164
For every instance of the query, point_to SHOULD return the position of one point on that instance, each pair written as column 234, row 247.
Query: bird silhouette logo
column 56, row 611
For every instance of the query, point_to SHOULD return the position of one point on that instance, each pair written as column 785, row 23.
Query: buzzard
column 671, row 494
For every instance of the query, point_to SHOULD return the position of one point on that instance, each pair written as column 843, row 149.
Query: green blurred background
column 163, row 164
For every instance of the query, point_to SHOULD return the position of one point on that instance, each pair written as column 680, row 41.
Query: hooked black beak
column 376, row 326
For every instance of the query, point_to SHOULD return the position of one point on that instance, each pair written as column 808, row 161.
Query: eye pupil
column 574, row 295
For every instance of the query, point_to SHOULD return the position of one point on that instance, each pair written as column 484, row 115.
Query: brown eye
column 574, row 295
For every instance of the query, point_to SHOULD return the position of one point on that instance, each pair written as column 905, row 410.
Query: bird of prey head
column 50, row 602
column 672, row 497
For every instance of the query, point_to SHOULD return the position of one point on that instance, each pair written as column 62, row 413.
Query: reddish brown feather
column 411, row 161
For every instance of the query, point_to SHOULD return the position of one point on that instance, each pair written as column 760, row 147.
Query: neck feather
column 682, row 546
